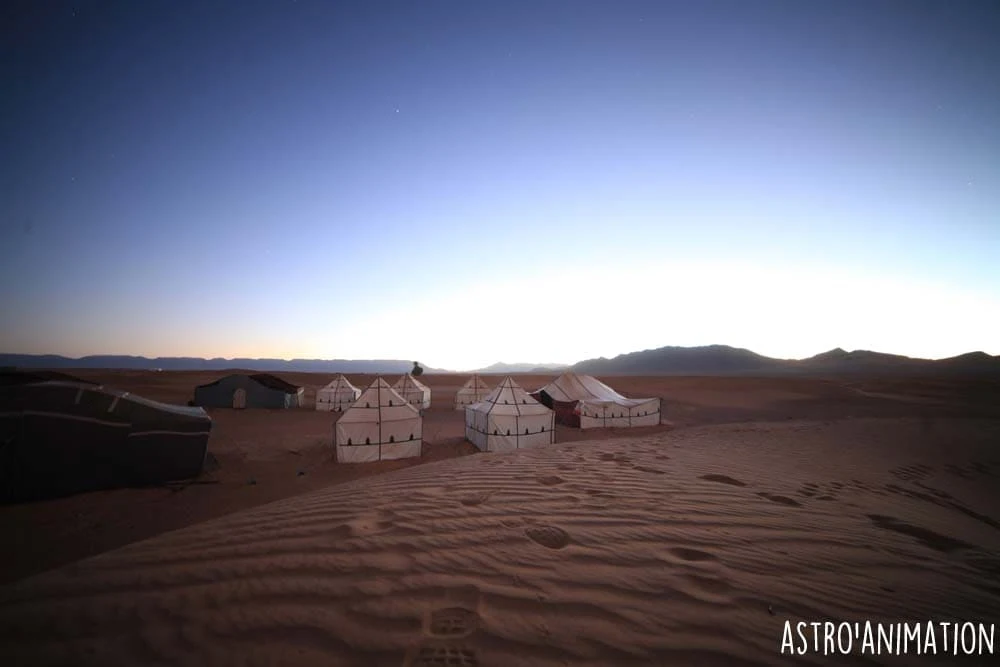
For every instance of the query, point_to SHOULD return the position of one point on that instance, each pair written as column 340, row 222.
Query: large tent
column 337, row 396
column 508, row 418
column 62, row 437
column 260, row 390
column 583, row 401
column 379, row 425
column 473, row 391
column 414, row 391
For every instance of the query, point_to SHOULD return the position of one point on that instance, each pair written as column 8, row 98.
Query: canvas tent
column 583, row 401
column 337, row 396
column 380, row 425
column 62, row 437
column 260, row 390
column 508, row 418
column 473, row 391
column 414, row 391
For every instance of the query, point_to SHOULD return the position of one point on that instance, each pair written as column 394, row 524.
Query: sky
column 462, row 183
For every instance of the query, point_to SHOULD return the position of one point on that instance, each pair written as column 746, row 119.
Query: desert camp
column 573, row 333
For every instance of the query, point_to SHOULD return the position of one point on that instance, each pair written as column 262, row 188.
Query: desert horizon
column 725, row 274
column 707, row 359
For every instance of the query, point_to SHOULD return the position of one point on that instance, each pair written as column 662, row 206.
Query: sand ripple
column 685, row 548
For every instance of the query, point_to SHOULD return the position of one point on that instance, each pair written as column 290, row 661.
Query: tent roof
column 18, row 377
column 408, row 381
column 509, row 398
column 275, row 382
column 266, row 379
column 477, row 383
column 340, row 382
column 572, row 387
column 118, row 396
column 379, row 402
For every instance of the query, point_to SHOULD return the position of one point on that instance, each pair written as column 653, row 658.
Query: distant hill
column 501, row 368
column 217, row 364
column 726, row 360
column 672, row 360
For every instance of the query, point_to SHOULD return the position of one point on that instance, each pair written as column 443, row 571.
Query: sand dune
column 658, row 550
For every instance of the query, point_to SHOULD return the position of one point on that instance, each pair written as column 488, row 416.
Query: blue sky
column 467, row 182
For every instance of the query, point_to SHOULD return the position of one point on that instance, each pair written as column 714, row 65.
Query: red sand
column 819, row 499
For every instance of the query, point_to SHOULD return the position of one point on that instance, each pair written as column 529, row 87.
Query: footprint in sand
column 929, row 538
column 453, row 622
column 781, row 500
column 363, row 526
column 550, row 537
column 723, row 479
column 478, row 499
column 691, row 555
column 443, row 654
column 550, row 480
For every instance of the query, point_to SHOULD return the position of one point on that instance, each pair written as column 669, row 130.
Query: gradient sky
column 467, row 182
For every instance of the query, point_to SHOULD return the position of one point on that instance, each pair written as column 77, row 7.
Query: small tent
column 508, row 418
column 63, row 436
column 583, row 401
column 337, row 396
column 473, row 391
column 260, row 390
column 380, row 425
column 414, row 391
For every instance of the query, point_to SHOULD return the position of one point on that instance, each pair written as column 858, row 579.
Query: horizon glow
column 528, row 182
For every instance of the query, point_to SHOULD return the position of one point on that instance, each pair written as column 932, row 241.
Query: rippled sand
column 684, row 548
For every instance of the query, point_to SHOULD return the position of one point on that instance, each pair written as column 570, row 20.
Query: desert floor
column 763, row 500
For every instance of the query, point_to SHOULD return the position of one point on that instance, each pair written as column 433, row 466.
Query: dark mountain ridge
column 216, row 364
column 670, row 360
column 726, row 360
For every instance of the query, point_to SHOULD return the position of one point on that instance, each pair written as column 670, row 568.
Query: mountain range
column 726, row 360
column 671, row 360
column 216, row 364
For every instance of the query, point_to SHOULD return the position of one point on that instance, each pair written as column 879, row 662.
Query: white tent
column 416, row 394
column 473, row 391
column 337, row 396
column 597, row 404
column 508, row 418
column 380, row 425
